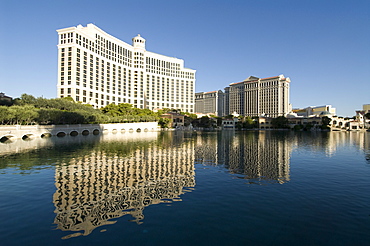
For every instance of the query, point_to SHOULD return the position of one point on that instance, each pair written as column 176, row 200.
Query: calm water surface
column 176, row 188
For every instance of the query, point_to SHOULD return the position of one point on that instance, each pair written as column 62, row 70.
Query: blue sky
column 322, row 45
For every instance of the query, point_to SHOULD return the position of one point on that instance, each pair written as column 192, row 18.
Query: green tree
column 27, row 99
column 298, row 127
column 308, row 127
column 69, row 99
column 29, row 110
column 325, row 121
column 280, row 122
column 249, row 123
column 23, row 115
column 206, row 122
column 5, row 115
column 164, row 122
column 111, row 109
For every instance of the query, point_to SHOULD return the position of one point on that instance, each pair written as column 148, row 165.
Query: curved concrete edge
column 41, row 131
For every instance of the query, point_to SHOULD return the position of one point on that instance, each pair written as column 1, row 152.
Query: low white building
column 229, row 123
column 314, row 110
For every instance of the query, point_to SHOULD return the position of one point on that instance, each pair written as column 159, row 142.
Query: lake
column 187, row 188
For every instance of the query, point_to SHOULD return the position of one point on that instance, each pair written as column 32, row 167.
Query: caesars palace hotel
column 98, row 69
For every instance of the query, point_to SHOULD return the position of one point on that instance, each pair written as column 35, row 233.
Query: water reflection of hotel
column 95, row 188
column 256, row 156
column 330, row 142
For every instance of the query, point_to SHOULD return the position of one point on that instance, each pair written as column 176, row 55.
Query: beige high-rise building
column 210, row 103
column 255, row 96
column 98, row 69
column 366, row 108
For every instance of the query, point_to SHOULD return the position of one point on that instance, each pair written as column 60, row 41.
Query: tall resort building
column 255, row 96
column 210, row 103
column 98, row 69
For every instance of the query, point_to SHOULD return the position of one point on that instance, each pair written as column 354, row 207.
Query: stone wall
column 40, row 131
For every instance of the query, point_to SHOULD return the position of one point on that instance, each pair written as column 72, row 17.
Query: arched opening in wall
column 6, row 139
column 73, row 133
column 105, row 131
column 45, row 135
column 61, row 134
column 146, row 130
column 85, row 133
column 114, row 131
column 96, row 132
column 123, row 130
column 131, row 130
column 28, row 137
column 138, row 130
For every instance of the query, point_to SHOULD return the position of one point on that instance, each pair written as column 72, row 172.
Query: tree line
column 28, row 110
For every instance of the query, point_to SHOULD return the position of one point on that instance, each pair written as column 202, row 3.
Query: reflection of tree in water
column 367, row 156
column 44, row 153
column 107, row 184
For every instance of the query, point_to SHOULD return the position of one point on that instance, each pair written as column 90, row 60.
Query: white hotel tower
column 98, row 69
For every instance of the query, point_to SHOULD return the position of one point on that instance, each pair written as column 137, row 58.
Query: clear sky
column 322, row 45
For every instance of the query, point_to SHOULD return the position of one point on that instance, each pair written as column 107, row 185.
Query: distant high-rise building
column 98, row 69
column 227, row 101
column 210, row 102
column 366, row 108
column 255, row 96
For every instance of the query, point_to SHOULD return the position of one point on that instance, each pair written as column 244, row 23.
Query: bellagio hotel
column 98, row 69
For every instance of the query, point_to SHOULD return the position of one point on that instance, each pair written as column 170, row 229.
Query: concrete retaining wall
column 40, row 131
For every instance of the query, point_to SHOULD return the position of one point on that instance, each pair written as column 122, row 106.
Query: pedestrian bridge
column 40, row 131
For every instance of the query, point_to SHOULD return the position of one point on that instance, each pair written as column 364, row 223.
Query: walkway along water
column 40, row 131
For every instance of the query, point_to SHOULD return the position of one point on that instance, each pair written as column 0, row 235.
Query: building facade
column 314, row 111
column 255, row 96
column 98, row 69
column 366, row 108
column 210, row 103
column 4, row 99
